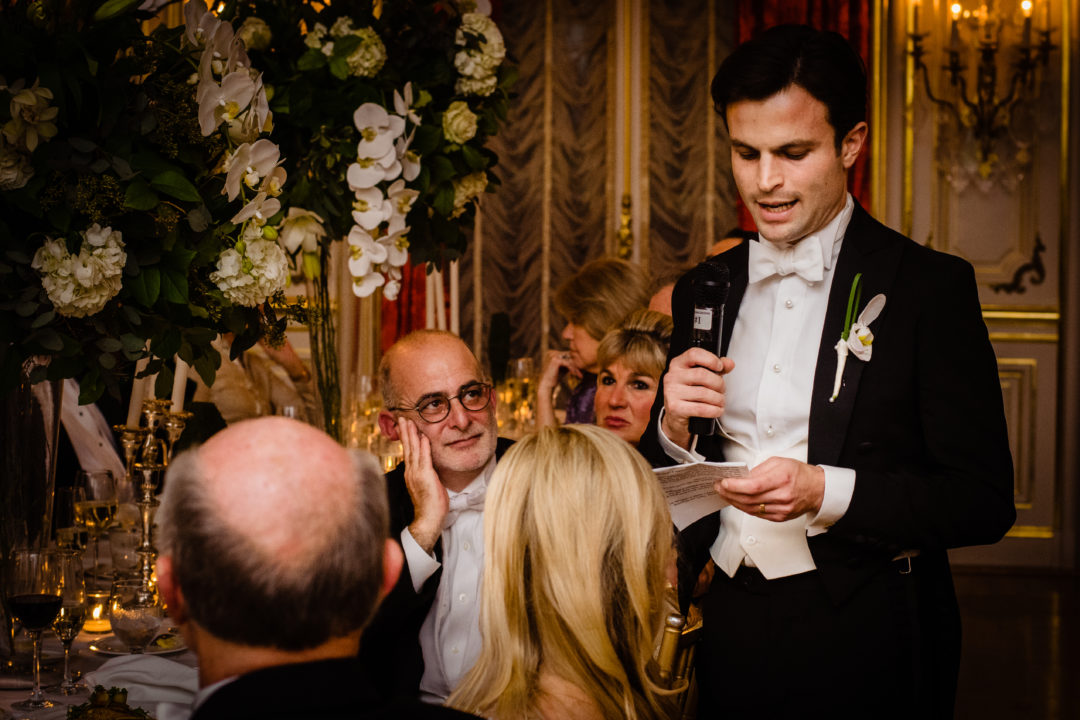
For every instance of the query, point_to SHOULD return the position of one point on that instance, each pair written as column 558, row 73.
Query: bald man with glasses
column 441, row 406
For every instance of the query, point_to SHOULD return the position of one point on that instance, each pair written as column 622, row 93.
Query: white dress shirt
column 774, row 345
column 90, row 435
column 450, row 635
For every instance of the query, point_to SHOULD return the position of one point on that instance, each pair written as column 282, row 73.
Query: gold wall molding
column 1024, row 337
column 1019, row 379
column 1031, row 532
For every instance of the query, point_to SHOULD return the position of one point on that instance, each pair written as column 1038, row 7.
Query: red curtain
column 850, row 18
column 409, row 311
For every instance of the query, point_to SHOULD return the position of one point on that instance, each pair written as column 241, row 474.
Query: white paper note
column 689, row 488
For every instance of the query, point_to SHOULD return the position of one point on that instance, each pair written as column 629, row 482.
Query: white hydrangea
column 251, row 272
column 367, row 59
column 81, row 285
column 477, row 66
column 15, row 168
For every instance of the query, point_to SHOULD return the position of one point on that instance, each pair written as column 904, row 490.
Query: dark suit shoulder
column 417, row 709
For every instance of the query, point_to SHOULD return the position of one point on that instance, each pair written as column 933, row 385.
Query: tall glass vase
column 29, row 430
column 324, row 350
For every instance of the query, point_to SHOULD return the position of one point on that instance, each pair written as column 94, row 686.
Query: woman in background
column 632, row 357
column 594, row 300
column 578, row 549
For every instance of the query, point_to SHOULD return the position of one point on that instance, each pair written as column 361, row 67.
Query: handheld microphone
column 709, row 290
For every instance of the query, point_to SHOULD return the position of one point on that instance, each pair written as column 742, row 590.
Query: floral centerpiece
column 382, row 111
column 138, row 192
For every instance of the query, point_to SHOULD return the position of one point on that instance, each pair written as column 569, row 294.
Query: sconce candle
column 954, row 31
column 915, row 16
column 179, row 384
column 1026, row 7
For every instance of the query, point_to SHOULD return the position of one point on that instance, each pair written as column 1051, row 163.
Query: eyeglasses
column 435, row 407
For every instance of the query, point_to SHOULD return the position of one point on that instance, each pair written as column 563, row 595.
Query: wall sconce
column 988, row 114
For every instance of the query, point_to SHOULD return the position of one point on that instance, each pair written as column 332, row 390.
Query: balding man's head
column 275, row 534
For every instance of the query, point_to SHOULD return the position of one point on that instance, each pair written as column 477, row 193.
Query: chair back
column 675, row 662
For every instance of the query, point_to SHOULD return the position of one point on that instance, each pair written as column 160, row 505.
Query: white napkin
column 148, row 679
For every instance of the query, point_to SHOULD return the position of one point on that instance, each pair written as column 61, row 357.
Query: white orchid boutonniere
column 856, row 337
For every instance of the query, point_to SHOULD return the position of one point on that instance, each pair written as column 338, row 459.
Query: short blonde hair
column 640, row 343
column 602, row 293
column 576, row 539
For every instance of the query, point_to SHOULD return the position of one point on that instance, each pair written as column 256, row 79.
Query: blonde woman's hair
column 576, row 539
column 603, row 292
column 640, row 343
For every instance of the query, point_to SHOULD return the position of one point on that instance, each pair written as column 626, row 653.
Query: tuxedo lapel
column 866, row 249
column 736, row 260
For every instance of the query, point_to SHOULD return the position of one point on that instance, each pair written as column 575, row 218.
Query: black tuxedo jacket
column 390, row 647
column 921, row 423
column 323, row 689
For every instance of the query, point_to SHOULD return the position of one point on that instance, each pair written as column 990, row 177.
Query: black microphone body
column 709, row 289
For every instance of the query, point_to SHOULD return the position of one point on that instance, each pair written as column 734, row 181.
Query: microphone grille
column 711, row 283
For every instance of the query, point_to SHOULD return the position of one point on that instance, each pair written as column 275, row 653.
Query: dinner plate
column 164, row 644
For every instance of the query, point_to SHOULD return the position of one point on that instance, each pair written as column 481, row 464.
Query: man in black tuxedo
column 857, row 381
column 275, row 553
column 441, row 407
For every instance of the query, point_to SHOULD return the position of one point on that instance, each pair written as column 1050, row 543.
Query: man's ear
column 170, row 590
column 388, row 425
column 393, row 559
column 852, row 144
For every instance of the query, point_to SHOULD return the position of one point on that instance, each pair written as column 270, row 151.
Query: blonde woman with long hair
column 577, row 548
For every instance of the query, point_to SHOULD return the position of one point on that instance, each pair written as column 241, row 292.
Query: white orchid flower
column 250, row 164
column 199, row 23
column 273, row 183
column 370, row 208
column 259, row 210
column 403, row 104
column 223, row 103
column 410, row 161
column 365, row 285
column 401, row 197
column 364, row 252
column 396, row 242
column 378, row 130
column 301, row 229
column 368, row 172
column 859, row 340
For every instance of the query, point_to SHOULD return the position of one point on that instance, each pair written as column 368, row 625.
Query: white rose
column 15, row 168
column 459, row 122
column 368, row 59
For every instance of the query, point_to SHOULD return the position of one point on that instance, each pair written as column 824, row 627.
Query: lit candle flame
column 1027, row 6
column 955, row 10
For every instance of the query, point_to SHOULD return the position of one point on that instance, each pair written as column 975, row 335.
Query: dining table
column 89, row 652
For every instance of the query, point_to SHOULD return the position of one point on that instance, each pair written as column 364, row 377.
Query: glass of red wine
column 33, row 594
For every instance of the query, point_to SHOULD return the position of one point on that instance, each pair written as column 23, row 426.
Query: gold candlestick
column 175, row 422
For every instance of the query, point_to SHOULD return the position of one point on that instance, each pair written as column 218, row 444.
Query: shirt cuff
column 421, row 565
column 839, row 487
column 676, row 453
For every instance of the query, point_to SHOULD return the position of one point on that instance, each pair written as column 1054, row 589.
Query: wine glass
column 33, row 595
column 72, row 612
column 95, row 506
column 135, row 613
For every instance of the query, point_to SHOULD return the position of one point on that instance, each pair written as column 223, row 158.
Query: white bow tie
column 805, row 259
column 473, row 500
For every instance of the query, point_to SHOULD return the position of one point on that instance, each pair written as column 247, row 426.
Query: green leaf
column 444, row 199
column 131, row 342
column 441, row 169
column 146, row 286
column 174, row 287
column 311, row 60
column 139, row 196
column 339, row 68
column 207, row 366
column 473, row 158
column 109, row 344
column 43, row 319
column 50, row 340
column 171, row 182
column 26, row 309
column 112, row 8
column 107, row 361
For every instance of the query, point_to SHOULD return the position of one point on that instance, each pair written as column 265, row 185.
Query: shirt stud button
column 462, row 597
column 776, row 368
column 751, row 540
column 789, row 303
